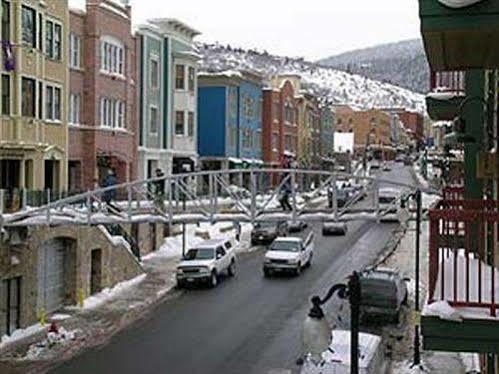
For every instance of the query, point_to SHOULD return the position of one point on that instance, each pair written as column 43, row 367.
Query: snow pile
column 172, row 247
column 21, row 334
column 60, row 337
column 106, row 294
column 443, row 310
column 407, row 367
column 339, row 87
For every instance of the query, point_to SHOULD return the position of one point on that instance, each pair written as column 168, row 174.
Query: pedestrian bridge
column 249, row 195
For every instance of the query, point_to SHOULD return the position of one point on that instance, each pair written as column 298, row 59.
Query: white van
column 337, row 358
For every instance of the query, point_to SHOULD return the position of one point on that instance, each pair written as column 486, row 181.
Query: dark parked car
column 266, row 232
column 296, row 226
column 334, row 228
column 383, row 292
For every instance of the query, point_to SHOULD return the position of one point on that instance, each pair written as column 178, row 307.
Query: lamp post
column 316, row 332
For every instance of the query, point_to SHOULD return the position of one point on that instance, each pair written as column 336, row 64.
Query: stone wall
column 117, row 263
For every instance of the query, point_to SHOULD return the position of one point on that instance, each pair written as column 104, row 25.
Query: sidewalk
column 34, row 350
column 400, row 339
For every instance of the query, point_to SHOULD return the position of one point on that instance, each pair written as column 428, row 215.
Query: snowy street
column 248, row 324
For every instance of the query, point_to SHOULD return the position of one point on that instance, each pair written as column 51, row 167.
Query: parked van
column 337, row 357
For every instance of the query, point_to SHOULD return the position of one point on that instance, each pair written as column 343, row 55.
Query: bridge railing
column 245, row 195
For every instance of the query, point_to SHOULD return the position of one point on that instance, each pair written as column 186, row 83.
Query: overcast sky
column 310, row 28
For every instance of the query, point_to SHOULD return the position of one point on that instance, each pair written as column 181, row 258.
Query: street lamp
column 316, row 332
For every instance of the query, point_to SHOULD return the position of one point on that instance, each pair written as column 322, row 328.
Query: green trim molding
column 462, row 38
column 480, row 336
column 443, row 107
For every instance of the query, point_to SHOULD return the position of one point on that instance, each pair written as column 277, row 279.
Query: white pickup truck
column 289, row 254
column 206, row 262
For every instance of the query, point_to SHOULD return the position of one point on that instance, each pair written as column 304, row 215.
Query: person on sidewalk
column 159, row 191
column 284, row 200
column 109, row 196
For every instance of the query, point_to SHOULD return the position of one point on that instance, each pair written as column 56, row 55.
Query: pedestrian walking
column 159, row 190
column 110, row 195
column 284, row 200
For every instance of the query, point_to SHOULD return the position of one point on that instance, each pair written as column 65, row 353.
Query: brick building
column 309, row 142
column 370, row 127
column 414, row 122
column 280, row 121
column 102, row 99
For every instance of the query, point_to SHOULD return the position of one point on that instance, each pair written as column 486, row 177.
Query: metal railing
column 247, row 195
column 462, row 253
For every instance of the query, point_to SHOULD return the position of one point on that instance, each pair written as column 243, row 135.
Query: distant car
column 383, row 292
column 386, row 167
column 342, row 197
column 205, row 262
column 334, row 228
column 356, row 192
column 387, row 197
column 374, row 165
column 296, row 226
column 400, row 158
column 289, row 254
column 266, row 232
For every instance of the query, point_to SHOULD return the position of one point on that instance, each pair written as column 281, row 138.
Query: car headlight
column 294, row 261
column 204, row 270
column 267, row 260
column 180, row 271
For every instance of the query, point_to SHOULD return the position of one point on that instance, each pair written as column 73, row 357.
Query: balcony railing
column 447, row 81
column 463, row 239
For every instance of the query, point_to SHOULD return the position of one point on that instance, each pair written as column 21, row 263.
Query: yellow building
column 34, row 91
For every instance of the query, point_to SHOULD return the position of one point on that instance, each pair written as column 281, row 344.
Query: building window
column 112, row 57
column 153, row 120
column 52, row 103
column 190, row 124
column 179, row 122
column 74, row 109
column 179, row 77
column 75, row 51
column 154, row 73
column 113, row 113
column 29, row 26
column 247, row 138
column 28, row 97
column 276, row 111
column 192, row 78
column 275, row 141
column 53, row 35
column 5, row 94
column 5, row 20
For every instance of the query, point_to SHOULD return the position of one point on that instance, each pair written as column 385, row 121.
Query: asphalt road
column 248, row 324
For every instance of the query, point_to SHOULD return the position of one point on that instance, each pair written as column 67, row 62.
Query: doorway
column 10, row 174
column 52, row 175
column 96, row 271
column 10, row 305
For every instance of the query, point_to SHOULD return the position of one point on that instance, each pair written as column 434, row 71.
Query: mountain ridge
column 401, row 63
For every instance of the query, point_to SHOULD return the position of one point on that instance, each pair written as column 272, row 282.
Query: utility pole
column 417, row 354
column 354, row 296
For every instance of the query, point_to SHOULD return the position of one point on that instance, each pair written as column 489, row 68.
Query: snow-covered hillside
column 338, row 86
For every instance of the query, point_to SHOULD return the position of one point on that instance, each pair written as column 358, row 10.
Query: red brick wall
column 413, row 121
column 87, row 142
column 267, row 119
column 288, row 93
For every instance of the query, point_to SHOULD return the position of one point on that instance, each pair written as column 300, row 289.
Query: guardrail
column 462, row 246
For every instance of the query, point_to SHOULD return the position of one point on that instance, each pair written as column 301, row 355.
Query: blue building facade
column 229, row 120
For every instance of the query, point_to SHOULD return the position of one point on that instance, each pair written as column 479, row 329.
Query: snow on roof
column 458, row 3
column 343, row 142
column 444, row 95
column 288, row 239
column 442, row 124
